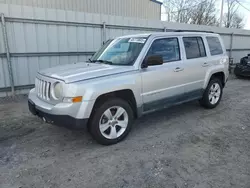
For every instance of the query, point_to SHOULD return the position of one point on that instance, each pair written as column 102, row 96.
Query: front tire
column 212, row 95
column 111, row 121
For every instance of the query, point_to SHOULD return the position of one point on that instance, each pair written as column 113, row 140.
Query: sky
column 243, row 12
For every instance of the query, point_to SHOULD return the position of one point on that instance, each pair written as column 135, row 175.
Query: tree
column 237, row 22
column 204, row 13
column 178, row 10
column 201, row 12
column 232, row 19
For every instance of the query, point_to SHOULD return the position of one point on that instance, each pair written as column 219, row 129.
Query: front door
column 162, row 84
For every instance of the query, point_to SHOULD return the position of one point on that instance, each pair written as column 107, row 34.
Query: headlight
column 57, row 91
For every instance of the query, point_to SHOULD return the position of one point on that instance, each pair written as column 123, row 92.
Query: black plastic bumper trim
column 60, row 120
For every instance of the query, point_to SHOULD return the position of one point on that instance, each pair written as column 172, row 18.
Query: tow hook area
column 47, row 120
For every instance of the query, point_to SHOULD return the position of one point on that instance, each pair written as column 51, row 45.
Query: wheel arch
column 219, row 74
column 125, row 94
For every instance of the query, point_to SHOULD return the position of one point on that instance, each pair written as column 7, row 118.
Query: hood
column 83, row 71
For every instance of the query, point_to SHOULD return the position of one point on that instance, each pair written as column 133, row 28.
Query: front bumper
column 61, row 120
column 74, row 115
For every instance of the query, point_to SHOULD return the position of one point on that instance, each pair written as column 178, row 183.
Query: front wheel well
column 220, row 76
column 125, row 94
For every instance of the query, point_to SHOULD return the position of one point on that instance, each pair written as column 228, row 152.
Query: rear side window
column 168, row 48
column 202, row 47
column 214, row 45
column 194, row 47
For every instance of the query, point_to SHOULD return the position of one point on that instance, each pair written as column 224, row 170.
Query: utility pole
column 221, row 12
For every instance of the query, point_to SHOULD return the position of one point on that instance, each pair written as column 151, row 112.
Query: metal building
column 146, row 9
column 35, row 38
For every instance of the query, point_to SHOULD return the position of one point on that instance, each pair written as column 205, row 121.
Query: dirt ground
column 182, row 147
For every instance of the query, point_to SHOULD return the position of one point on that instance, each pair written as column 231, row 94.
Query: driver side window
column 167, row 48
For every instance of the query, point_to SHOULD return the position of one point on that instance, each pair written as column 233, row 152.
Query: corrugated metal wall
column 40, row 38
column 130, row 8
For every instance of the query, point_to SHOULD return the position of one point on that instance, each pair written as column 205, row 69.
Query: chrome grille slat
column 49, row 90
column 39, row 88
column 43, row 91
column 43, row 88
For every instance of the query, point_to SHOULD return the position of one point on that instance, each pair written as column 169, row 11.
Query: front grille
column 43, row 89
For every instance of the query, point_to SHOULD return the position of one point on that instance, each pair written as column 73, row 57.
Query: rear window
column 194, row 47
column 214, row 45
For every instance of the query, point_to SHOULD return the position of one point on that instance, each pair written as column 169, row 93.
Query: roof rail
column 193, row 31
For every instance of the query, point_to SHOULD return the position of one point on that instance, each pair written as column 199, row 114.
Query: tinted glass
column 167, row 48
column 214, row 45
column 202, row 47
column 191, row 47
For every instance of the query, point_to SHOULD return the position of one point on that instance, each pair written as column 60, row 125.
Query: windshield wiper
column 102, row 61
column 90, row 60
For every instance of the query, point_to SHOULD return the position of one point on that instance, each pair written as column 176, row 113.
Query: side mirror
column 152, row 61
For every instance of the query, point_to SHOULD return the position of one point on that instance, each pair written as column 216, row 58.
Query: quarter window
column 214, row 45
column 194, row 47
column 168, row 48
column 202, row 47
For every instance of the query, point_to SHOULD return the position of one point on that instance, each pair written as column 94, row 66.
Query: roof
column 159, row 34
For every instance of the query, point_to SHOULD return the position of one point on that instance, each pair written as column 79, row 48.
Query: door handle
column 205, row 64
column 178, row 69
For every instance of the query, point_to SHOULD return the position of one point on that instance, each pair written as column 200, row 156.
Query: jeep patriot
column 128, row 77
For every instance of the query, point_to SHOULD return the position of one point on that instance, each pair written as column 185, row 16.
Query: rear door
column 196, row 63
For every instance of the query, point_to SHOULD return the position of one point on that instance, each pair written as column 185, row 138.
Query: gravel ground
column 185, row 146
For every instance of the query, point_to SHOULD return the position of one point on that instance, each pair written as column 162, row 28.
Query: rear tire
column 212, row 95
column 111, row 121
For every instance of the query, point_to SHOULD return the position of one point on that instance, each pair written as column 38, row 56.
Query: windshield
column 123, row 51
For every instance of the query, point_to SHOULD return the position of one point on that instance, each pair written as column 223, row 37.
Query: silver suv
column 129, row 77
